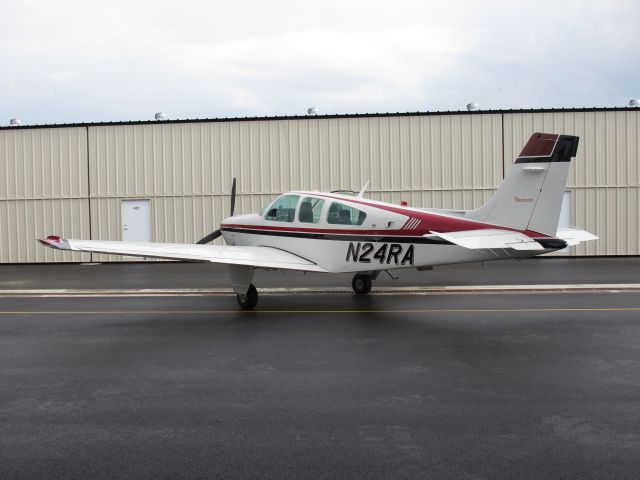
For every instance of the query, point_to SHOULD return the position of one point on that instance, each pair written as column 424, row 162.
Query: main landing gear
column 249, row 300
column 361, row 283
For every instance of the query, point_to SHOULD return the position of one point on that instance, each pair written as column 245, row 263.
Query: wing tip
column 54, row 241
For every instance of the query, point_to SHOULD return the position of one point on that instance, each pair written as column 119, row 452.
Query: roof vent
column 473, row 106
column 15, row 122
column 312, row 111
column 634, row 102
column 161, row 116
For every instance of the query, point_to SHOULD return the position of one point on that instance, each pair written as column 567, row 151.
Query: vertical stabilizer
column 530, row 196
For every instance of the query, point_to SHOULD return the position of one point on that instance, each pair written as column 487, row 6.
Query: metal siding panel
column 441, row 161
column 106, row 223
column 374, row 141
column 610, row 214
column 33, row 219
column 292, row 172
column 366, row 161
column 313, row 157
column 43, row 163
column 604, row 176
column 448, row 161
column 607, row 154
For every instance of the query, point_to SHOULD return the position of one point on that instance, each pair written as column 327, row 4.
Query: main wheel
column 361, row 283
column 249, row 300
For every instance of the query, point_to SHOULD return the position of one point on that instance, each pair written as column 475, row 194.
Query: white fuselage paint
column 333, row 254
column 359, row 252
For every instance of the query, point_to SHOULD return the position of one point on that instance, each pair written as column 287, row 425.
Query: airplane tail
column 530, row 196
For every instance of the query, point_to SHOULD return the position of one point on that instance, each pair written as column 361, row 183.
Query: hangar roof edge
column 321, row 117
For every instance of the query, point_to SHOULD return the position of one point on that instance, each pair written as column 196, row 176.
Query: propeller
column 233, row 196
column 216, row 233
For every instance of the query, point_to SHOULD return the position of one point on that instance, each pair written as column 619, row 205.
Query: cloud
column 80, row 61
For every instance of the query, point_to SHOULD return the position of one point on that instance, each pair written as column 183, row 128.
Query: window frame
column 320, row 215
column 361, row 212
column 271, row 207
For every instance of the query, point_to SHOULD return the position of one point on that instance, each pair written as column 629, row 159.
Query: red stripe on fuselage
column 364, row 233
column 335, row 231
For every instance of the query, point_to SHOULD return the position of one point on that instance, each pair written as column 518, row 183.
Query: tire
column 361, row 283
column 249, row 300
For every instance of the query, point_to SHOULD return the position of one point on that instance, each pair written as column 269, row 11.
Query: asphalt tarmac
column 542, row 270
column 316, row 386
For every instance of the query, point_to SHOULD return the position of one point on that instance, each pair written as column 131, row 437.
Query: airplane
column 333, row 232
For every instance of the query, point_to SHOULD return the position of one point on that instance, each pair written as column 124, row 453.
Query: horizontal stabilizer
column 490, row 238
column 259, row 257
column 574, row 235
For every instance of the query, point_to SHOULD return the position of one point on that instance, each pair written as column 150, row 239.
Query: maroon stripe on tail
column 549, row 147
column 539, row 145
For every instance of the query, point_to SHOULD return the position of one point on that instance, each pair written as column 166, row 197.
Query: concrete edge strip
column 439, row 290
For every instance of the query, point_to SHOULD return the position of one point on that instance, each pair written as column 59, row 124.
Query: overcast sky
column 81, row 61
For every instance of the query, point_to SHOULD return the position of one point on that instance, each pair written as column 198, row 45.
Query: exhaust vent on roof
column 312, row 111
column 15, row 122
column 634, row 102
column 473, row 106
column 161, row 116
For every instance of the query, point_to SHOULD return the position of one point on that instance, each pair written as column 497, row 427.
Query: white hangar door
column 136, row 220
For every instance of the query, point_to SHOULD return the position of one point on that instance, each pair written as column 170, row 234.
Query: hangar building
column 169, row 181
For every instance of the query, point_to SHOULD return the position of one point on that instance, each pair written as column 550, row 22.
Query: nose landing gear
column 361, row 283
column 249, row 300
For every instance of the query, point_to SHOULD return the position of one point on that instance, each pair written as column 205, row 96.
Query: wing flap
column 490, row 238
column 260, row 257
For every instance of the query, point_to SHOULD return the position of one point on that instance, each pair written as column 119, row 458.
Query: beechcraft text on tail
column 336, row 233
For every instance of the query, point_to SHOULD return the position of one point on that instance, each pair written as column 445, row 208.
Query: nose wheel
column 361, row 283
column 249, row 300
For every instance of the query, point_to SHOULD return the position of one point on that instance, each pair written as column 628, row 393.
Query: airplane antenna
column 364, row 189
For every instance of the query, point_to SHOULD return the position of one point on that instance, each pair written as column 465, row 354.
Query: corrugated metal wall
column 186, row 169
column 72, row 180
column 604, row 178
column 43, row 189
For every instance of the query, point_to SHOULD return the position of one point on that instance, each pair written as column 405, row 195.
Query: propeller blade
column 216, row 233
column 209, row 238
column 233, row 196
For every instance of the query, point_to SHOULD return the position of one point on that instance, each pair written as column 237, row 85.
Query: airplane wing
column 490, row 238
column 260, row 257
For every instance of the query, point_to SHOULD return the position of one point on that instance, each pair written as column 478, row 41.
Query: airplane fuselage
column 389, row 237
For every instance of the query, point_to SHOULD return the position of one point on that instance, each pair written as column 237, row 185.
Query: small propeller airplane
column 336, row 233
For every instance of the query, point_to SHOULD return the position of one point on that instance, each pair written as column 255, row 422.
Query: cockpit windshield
column 264, row 209
column 283, row 209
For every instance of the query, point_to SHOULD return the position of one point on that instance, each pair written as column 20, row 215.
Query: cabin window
column 283, row 209
column 310, row 210
column 341, row 214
